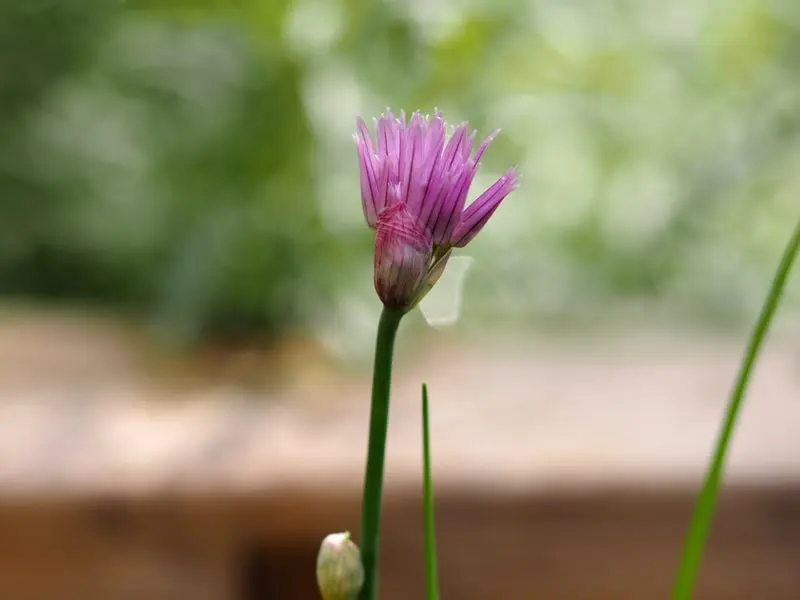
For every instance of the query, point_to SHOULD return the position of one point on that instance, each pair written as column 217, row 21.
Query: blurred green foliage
column 156, row 165
column 190, row 161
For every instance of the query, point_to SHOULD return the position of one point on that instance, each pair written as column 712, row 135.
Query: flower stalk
column 376, row 450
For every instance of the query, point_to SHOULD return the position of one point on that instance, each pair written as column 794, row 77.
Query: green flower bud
column 340, row 574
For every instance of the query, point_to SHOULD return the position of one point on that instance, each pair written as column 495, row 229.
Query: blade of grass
column 706, row 502
column 431, row 567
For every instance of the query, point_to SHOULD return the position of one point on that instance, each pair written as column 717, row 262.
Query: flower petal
column 387, row 159
column 414, row 180
column 431, row 175
column 444, row 222
column 367, row 168
column 386, row 129
column 454, row 147
column 438, row 209
column 485, row 145
column 479, row 212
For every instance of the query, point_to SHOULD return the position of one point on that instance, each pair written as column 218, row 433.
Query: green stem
column 704, row 510
column 376, row 450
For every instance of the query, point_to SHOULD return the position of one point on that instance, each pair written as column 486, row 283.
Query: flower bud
column 340, row 573
column 414, row 186
column 402, row 256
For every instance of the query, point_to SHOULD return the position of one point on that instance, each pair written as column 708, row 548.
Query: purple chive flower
column 414, row 186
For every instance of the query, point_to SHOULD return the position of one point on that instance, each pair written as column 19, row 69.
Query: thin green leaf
column 431, row 566
column 706, row 503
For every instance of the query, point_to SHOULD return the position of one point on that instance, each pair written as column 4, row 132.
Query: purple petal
column 484, row 145
column 447, row 208
column 367, row 168
column 454, row 147
column 466, row 148
column 384, row 171
column 405, row 156
column 452, row 204
column 446, row 173
column 388, row 135
column 428, row 143
column 479, row 212
column 388, row 159
column 412, row 186
column 431, row 174
column 382, row 133
column 393, row 196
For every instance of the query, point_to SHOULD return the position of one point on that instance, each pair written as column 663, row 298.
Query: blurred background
column 187, row 312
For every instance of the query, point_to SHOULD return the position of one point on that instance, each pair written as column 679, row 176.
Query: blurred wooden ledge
column 564, row 470
column 602, row 545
